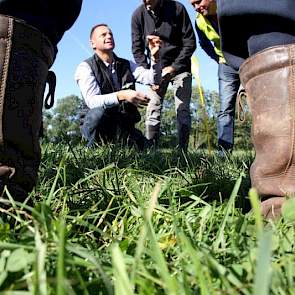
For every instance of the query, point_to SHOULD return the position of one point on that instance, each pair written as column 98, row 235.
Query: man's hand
column 154, row 43
column 168, row 71
column 167, row 74
column 135, row 97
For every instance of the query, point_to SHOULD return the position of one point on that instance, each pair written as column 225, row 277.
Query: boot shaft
column 269, row 80
column 25, row 57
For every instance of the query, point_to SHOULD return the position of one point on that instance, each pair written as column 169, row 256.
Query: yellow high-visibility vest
column 206, row 27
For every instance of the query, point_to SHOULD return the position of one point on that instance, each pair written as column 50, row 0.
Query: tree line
column 62, row 123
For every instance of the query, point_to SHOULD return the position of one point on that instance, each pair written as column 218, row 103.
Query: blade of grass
column 11, row 246
column 123, row 285
column 263, row 269
column 171, row 285
column 256, row 210
column 60, row 279
column 58, row 174
column 40, row 284
column 143, row 232
column 220, row 233
column 199, row 270
column 90, row 258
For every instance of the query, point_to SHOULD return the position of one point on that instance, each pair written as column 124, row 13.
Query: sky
column 74, row 46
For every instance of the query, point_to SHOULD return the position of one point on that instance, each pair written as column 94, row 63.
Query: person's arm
column 138, row 41
column 206, row 44
column 153, row 75
column 188, row 40
column 90, row 89
column 91, row 92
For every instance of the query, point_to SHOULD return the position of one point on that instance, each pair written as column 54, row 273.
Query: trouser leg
column 128, row 117
column 229, row 83
column 131, row 136
column 153, row 113
column 90, row 123
column 182, row 86
column 137, row 138
column 259, row 42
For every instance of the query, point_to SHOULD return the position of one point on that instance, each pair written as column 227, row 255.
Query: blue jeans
column 229, row 83
column 90, row 123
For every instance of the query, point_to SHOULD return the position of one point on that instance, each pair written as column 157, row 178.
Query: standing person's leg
column 229, row 83
column 182, row 86
column 25, row 57
column 153, row 112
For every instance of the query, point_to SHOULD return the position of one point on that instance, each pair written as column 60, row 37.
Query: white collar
column 108, row 64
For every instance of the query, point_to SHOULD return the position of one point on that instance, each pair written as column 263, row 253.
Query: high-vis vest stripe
column 205, row 26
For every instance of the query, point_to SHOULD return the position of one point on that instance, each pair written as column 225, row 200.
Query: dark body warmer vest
column 125, row 80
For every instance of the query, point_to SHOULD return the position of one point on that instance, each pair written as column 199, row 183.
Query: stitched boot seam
column 4, row 75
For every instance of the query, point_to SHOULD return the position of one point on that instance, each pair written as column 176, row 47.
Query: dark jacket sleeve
column 188, row 40
column 206, row 44
column 138, row 40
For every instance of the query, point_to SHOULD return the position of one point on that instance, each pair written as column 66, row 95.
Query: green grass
column 114, row 221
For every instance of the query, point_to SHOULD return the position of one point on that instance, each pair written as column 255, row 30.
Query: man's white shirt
column 91, row 91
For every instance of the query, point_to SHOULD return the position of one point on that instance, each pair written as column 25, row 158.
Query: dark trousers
column 107, row 125
column 260, row 42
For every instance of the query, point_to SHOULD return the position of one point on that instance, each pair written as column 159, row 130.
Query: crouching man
column 107, row 84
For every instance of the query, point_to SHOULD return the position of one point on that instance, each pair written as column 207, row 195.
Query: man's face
column 205, row 7
column 150, row 4
column 102, row 39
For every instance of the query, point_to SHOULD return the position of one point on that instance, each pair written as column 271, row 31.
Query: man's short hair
column 96, row 26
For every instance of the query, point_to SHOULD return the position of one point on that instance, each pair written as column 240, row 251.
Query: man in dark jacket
column 170, row 21
column 107, row 84
column 29, row 33
column 259, row 40
column 228, row 78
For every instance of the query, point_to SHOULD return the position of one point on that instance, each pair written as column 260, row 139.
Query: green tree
column 62, row 123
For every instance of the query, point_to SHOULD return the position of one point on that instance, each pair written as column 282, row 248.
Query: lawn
column 111, row 220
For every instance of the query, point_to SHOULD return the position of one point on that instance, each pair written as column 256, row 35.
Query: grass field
column 113, row 221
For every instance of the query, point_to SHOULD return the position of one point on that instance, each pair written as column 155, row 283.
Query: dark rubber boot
column 25, row 57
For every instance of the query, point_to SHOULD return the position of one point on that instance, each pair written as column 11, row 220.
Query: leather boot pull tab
column 51, row 81
column 242, row 95
column 6, row 171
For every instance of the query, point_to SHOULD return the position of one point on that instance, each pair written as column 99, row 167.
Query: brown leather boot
column 272, row 207
column 269, row 80
column 25, row 56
